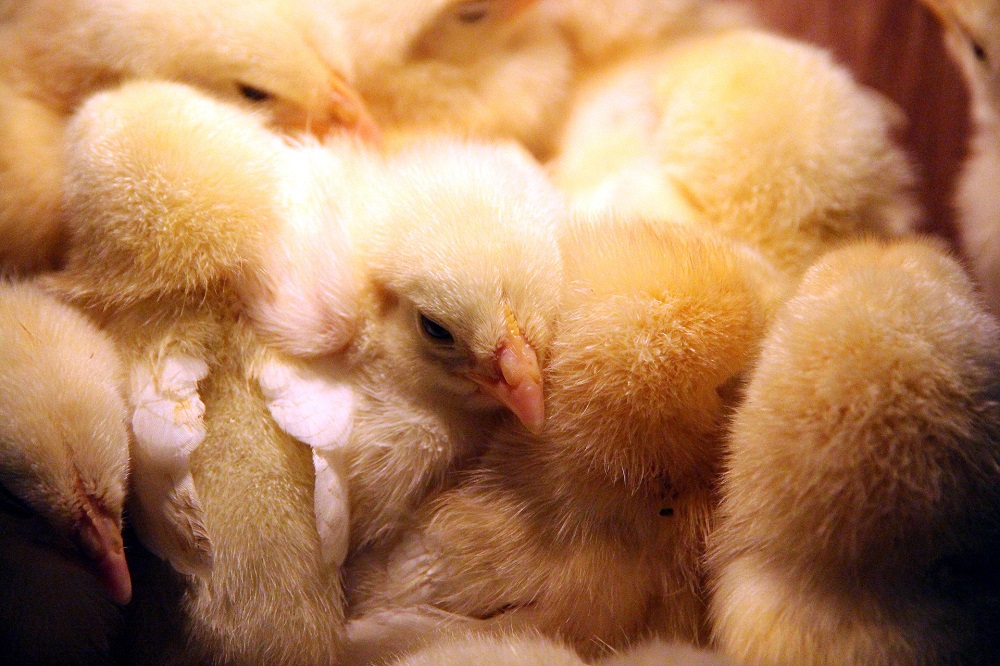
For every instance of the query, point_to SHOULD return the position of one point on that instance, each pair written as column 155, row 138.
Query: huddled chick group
column 468, row 331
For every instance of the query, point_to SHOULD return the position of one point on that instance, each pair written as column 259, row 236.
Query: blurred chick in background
column 860, row 520
column 477, row 68
column 592, row 529
column 973, row 39
column 63, row 476
column 691, row 117
column 262, row 55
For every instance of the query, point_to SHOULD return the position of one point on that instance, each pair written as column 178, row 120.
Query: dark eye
column 254, row 94
column 473, row 11
column 435, row 331
column 979, row 51
column 12, row 504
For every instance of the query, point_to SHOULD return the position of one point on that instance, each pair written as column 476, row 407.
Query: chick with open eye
column 592, row 528
column 63, row 478
column 480, row 68
column 262, row 55
column 972, row 29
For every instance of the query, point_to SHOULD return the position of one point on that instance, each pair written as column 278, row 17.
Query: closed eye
column 472, row 11
column 254, row 94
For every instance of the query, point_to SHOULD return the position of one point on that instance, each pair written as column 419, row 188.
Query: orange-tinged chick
column 593, row 528
column 860, row 519
column 63, row 477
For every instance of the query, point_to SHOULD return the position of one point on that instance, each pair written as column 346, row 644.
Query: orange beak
column 100, row 537
column 346, row 109
column 511, row 9
column 516, row 381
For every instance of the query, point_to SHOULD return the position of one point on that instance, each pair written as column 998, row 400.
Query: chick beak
column 516, row 381
column 941, row 10
column 346, row 109
column 100, row 537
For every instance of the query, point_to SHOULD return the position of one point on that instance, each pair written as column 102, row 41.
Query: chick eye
column 435, row 331
column 472, row 11
column 12, row 504
column 254, row 94
column 978, row 51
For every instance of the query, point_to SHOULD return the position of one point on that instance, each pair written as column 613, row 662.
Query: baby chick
column 973, row 39
column 592, row 528
column 63, row 469
column 758, row 136
column 261, row 55
column 456, row 277
column 483, row 68
column 860, row 519
column 169, row 209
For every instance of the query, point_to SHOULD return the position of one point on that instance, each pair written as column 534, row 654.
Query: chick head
column 283, row 61
column 489, row 68
column 973, row 37
column 63, row 434
column 465, row 275
column 658, row 325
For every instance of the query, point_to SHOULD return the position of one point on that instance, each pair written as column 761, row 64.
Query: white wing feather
column 309, row 402
column 168, row 424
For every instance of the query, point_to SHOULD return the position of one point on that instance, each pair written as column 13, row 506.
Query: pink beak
column 517, row 381
column 100, row 537
column 348, row 110
column 511, row 9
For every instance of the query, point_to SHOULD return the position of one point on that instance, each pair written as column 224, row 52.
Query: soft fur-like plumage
column 456, row 277
column 973, row 39
column 162, row 232
column 482, row 68
column 758, row 136
column 860, row 519
column 63, row 476
column 593, row 529
column 284, row 61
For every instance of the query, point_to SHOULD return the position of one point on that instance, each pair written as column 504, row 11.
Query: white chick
column 262, row 55
column 482, row 68
column 63, row 476
column 758, row 136
column 592, row 530
column 170, row 207
column 973, row 39
column 455, row 284
column 860, row 520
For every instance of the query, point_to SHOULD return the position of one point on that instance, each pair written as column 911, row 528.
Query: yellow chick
column 481, row 68
column 536, row 650
column 63, row 477
column 170, row 210
column 760, row 137
column 860, row 519
column 456, row 276
column 592, row 529
column 262, row 55
column 973, row 39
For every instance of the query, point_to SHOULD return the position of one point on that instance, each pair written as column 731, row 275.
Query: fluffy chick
column 758, row 136
column 973, row 39
column 456, row 276
column 485, row 68
column 861, row 502
column 63, row 474
column 592, row 529
column 261, row 55
column 169, row 209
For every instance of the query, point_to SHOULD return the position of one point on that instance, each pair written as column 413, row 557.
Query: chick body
column 164, row 228
column 592, row 530
column 860, row 497
column 760, row 137
column 63, row 470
